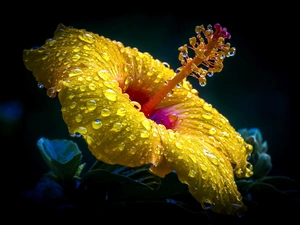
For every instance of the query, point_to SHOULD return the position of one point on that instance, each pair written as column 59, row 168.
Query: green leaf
column 66, row 171
column 133, row 183
column 62, row 156
column 138, row 174
column 117, row 186
column 281, row 182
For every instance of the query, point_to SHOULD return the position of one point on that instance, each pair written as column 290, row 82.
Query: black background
column 257, row 87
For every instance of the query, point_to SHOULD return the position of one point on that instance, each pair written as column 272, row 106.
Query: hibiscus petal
column 102, row 86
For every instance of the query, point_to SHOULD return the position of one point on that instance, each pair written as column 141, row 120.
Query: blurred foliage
column 105, row 188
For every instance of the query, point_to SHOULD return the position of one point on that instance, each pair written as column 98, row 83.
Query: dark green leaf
column 281, row 182
column 66, row 171
column 138, row 174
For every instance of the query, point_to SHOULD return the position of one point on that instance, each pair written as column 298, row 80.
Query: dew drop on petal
column 121, row 112
column 132, row 137
column 78, row 118
column 117, row 127
column 97, row 124
column 178, row 145
column 89, row 140
column 192, row 173
column 110, row 94
column 215, row 161
column 212, row 131
column 91, row 105
column 40, row 85
column 207, row 106
column 103, row 74
column 81, row 130
column 92, row 86
column 203, row 167
column 112, row 161
column 73, row 105
column 144, row 134
column 86, row 38
column 75, row 72
column 121, row 146
column 147, row 124
column 207, row 116
column 105, row 112
column 105, row 56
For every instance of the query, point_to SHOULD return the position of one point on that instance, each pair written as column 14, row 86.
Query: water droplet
column 207, row 107
column 142, row 160
column 207, row 116
column 92, row 86
column 166, row 64
column 136, row 105
column 103, row 74
column 97, row 124
column 112, row 161
column 172, row 118
column 147, row 124
column 170, row 159
column 206, row 205
column 203, row 167
column 149, row 73
column 40, row 85
column 110, row 94
column 75, row 72
column 203, row 176
column 210, row 74
column 89, row 140
column 223, row 120
column 121, row 146
column 73, row 105
column 108, row 84
column 178, row 145
column 78, row 118
column 86, row 38
column 117, row 127
column 144, row 134
column 76, row 49
column 202, row 81
column 215, row 161
column 193, row 158
column 105, row 56
column 81, row 130
column 121, row 112
column 132, row 137
column 212, row 131
column 105, row 112
column 91, row 105
column 82, row 87
column 71, row 96
column 50, row 41
column 75, row 57
column 51, row 92
column 132, row 150
column 192, row 173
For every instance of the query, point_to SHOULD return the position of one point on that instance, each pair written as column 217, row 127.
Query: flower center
column 209, row 49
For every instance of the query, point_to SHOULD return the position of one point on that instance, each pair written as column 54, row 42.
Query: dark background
column 257, row 87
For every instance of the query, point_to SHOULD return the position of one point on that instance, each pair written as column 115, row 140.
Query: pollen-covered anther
column 209, row 49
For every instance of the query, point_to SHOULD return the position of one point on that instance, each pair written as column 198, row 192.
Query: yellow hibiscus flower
column 133, row 110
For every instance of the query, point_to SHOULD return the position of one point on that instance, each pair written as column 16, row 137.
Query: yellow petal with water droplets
column 95, row 78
